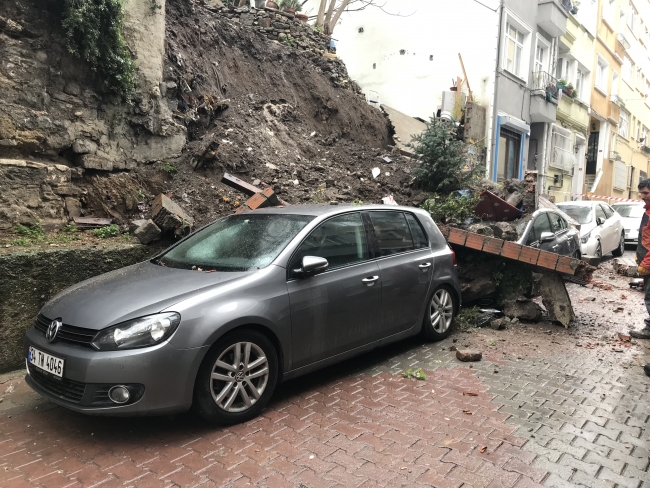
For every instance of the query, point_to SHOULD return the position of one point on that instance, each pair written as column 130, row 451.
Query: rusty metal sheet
column 494, row 209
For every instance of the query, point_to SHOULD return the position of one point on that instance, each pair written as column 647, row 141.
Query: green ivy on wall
column 95, row 33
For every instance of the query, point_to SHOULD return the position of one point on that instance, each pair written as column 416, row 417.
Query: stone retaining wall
column 30, row 278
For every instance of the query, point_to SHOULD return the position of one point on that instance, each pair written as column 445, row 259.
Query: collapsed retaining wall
column 30, row 278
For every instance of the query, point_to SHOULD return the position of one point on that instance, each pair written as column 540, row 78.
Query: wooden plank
column 239, row 184
column 458, row 236
column 567, row 265
column 92, row 221
column 493, row 245
column 529, row 255
column 547, row 259
column 474, row 241
column 511, row 250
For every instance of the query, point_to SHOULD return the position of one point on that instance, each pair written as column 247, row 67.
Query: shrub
column 450, row 208
column 95, row 33
column 445, row 164
column 108, row 231
column 294, row 4
column 35, row 231
column 467, row 318
column 170, row 169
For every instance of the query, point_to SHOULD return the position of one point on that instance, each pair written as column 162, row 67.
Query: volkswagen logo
column 53, row 330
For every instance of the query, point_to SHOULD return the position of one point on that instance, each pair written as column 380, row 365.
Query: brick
column 493, row 245
column 547, row 260
column 457, row 236
column 340, row 475
column 312, row 480
column 433, row 478
column 615, row 465
column 529, row 255
column 257, row 201
column 535, row 474
column 511, row 250
column 474, row 241
column 168, row 215
column 567, row 265
column 607, row 474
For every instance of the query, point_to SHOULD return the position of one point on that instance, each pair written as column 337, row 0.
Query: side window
column 608, row 210
column 600, row 213
column 556, row 223
column 341, row 240
column 419, row 237
column 392, row 230
column 540, row 225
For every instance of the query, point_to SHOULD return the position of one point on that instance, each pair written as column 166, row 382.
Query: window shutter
column 562, row 156
column 620, row 175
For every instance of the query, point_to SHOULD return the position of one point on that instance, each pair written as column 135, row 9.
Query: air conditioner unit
column 614, row 156
column 617, row 100
column 558, row 180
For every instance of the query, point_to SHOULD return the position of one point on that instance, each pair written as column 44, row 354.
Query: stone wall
column 29, row 279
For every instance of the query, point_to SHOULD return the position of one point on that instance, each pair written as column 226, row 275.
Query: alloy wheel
column 239, row 377
column 441, row 310
column 599, row 251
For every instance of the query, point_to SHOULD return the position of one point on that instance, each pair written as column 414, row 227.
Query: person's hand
column 643, row 271
column 636, row 259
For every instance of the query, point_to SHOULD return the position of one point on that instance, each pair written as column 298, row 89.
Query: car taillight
column 453, row 258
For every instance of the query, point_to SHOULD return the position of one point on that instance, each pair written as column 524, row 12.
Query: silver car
column 217, row 320
column 631, row 213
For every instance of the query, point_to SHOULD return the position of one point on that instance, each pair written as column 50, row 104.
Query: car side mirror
column 600, row 221
column 547, row 237
column 312, row 265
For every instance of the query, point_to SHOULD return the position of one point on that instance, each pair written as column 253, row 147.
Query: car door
column 339, row 309
column 541, row 225
column 606, row 229
column 616, row 223
column 405, row 267
column 560, row 229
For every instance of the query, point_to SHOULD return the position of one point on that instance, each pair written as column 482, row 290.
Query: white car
column 601, row 229
column 631, row 213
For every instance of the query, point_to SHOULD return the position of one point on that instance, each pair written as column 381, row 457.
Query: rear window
column 419, row 237
column 629, row 211
column 580, row 213
column 393, row 233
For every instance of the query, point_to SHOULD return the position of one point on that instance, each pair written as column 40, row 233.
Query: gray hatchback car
column 218, row 319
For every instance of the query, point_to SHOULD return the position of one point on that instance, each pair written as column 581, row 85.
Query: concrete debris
column 625, row 266
column 147, row 232
column 134, row 224
column 500, row 323
column 169, row 216
column 556, row 299
column 478, row 288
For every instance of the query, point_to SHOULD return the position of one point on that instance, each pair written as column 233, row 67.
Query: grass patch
column 418, row 374
column 105, row 232
column 468, row 318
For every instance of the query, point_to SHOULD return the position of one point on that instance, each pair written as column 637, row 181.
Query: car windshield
column 630, row 211
column 236, row 243
column 581, row 213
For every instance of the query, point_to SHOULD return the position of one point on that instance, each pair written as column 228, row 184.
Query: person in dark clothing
column 643, row 261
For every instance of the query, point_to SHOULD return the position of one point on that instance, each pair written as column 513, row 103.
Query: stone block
column 515, row 199
column 84, row 146
column 134, row 224
column 168, row 215
column 556, row 299
column 73, row 207
column 523, row 310
column 92, row 161
column 147, row 232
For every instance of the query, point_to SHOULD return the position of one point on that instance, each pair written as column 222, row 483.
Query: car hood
column 131, row 292
column 586, row 228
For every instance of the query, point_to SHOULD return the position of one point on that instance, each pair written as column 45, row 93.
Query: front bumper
column 631, row 236
column 588, row 249
column 166, row 373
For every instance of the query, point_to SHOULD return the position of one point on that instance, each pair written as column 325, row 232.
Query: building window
column 631, row 16
column 601, row 74
column 623, row 125
column 562, row 155
column 580, row 83
column 628, row 71
column 514, row 49
column 620, row 175
column 609, row 10
column 644, row 136
column 542, row 48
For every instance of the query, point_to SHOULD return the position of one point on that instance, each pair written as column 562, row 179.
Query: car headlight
column 585, row 237
column 142, row 332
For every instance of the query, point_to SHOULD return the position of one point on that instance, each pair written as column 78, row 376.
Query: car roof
column 325, row 209
column 627, row 203
column 579, row 203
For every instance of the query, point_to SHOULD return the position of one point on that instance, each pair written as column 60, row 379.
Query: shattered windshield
column 629, row 211
column 236, row 243
column 581, row 213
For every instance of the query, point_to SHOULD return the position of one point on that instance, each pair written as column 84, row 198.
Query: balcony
column 614, row 111
column 552, row 16
column 543, row 100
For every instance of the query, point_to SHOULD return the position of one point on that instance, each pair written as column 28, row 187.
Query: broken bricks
column 467, row 355
column 169, row 216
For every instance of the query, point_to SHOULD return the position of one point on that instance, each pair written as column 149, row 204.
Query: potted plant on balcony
column 574, row 7
column 568, row 89
column 561, row 84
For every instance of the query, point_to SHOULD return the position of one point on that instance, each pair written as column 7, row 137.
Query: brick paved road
column 547, row 413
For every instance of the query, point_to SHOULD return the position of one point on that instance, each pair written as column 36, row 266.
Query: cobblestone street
column 547, row 406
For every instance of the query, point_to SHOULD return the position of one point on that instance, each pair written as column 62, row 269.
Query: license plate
column 46, row 362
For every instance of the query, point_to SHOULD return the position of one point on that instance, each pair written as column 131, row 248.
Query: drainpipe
column 495, row 105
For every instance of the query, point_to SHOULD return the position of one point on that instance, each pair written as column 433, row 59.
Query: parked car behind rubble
column 221, row 317
column 549, row 231
column 601, row 229
column 631, row 213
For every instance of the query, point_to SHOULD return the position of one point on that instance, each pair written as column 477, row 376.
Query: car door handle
column 424, row 266
column 370, row 280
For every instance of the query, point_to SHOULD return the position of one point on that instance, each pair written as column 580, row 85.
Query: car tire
column 236, row 378
column 618, row 252
column 440, row 312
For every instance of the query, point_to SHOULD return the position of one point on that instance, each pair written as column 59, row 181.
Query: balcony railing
column 567, row 5
column 543, row 81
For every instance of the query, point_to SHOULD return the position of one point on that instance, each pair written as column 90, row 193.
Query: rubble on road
column 467, row 355
column 523, row 309
column 625, row 266
column 169, row 216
